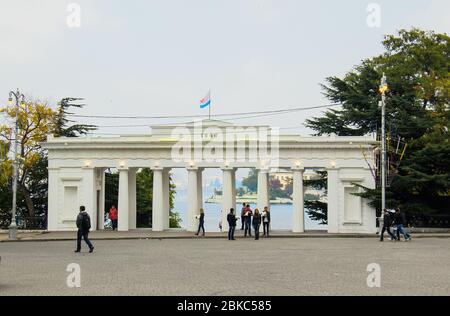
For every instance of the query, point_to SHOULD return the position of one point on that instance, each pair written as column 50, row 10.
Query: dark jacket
column 202, row 217
column 387, row 219
column 400, row 218
column 83, row 221
column 231, row 219
column 268, row 217
column 257, row 219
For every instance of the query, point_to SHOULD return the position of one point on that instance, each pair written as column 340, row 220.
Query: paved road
column 315, row 266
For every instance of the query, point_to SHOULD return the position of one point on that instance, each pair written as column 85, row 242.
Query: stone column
column 132, row 198
column 89, row 195
column 123, row 200
column 158, row 200
column 53, row 218
column 233, row 183
column 227, row 195
column 200, row 188
column 263, row 189
column 193, row 208
column 298, row 220
column 333, row 200
column 166, row 198
column 101, row 198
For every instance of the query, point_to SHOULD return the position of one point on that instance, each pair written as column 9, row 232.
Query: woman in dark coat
column 256, row 223
column 201, row 222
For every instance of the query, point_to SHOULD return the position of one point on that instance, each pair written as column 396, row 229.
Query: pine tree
column 417, row 65
column 61, row 120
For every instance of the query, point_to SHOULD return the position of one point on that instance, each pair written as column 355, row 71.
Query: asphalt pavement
column 273, row 266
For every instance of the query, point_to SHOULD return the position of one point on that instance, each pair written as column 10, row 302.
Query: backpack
column 85, row 222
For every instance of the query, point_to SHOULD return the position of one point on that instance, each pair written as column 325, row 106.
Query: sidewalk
column 181, row 234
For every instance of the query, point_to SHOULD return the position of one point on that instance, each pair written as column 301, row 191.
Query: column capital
column 160, row 168
column 298, row 169
column 223, row 168
column 123, row 169
column 263, row 169
column 332, row 165
column 193, row 168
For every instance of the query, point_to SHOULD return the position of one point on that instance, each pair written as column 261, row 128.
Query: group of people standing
column 396, row 220
column 249, row 220
column 255, row 219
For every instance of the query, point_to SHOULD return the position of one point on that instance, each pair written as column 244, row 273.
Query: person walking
column 84, row 225
column 248, row 221
column 399, row 221
column 256, row 223
column 113, row 216
column 266, row 221
column 387, row 222
column 243, row 215
column 201, row 222
column 231, row 218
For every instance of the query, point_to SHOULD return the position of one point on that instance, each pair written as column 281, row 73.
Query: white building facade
column 77, row 167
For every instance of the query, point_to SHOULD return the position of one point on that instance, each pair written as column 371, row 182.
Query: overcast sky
column 160, row 57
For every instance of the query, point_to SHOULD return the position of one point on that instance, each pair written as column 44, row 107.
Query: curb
column 212, row 237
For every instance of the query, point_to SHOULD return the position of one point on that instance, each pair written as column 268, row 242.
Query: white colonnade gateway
column 76, row 172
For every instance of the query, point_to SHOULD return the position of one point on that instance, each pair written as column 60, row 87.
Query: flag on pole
column 206, row 101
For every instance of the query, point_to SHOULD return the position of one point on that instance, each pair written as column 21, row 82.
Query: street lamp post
column 20, row 99
column 383, row 89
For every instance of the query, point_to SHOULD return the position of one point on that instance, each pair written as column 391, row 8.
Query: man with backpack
column 84, row 225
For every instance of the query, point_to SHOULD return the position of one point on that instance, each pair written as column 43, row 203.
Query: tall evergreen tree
column 417, row 67
column 61, row 120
